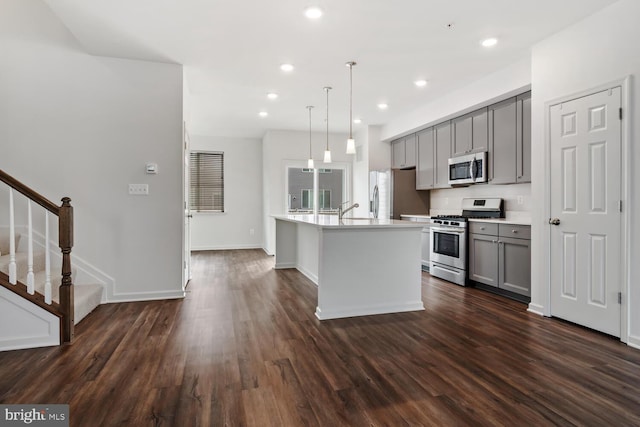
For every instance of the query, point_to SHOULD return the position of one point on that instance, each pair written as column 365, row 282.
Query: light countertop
column 512, row 217
column 512, row 221
column 418, row 217
column 331, row 221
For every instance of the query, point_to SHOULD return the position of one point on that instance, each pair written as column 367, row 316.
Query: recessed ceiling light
column 383, row 106
column 489, row 42
column 357, row 121
column 286, row 67
column 420, row 83
column 272, row 95
column 313, row 12
column 263, row 114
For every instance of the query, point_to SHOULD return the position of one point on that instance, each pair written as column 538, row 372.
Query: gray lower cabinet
column 500, row 256
column 514, row 263
column 483, row 259
column 425, row 165
column 426, row 247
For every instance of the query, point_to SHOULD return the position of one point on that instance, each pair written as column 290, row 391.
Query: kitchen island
column 361, row 266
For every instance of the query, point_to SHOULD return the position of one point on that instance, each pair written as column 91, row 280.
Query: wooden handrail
column 31, row 194
column 65, row 242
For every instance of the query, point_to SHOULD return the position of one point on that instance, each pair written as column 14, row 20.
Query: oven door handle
column 446, row 230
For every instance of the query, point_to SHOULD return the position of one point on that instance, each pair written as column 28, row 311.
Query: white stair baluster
column 12, row 241
column 47, row 261
column 30, row 277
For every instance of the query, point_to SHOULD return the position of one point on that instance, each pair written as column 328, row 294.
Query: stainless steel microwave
column 468, row 169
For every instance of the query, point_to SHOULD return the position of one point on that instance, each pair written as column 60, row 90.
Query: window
column 206, row 193
column 324, row 202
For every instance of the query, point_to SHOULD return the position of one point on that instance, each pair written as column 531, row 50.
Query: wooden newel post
column 65, row 237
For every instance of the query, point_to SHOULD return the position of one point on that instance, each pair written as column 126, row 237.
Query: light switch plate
column 139, row 189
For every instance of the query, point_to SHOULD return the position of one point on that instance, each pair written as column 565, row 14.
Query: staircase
column 86, row 297
column 39, row 302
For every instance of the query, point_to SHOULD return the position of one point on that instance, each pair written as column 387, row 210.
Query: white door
column 187, row 209
column 585, row 218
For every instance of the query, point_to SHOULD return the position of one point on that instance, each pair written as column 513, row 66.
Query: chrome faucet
column 341, row 211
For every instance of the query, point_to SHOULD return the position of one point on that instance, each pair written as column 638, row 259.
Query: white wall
column 375, row 155
column 449, row 200
column 602, row 48
column 85, row 126
column 240, row 226
column 278, row 147
column 510, row 80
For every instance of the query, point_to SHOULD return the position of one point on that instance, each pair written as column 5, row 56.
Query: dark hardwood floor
column 244, row 348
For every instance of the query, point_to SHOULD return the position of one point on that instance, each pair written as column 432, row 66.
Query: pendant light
column 351, row 143
column 327, row 153
column 310, row 161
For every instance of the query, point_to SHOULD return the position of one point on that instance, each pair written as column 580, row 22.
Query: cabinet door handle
column 494, row 241
column 481, row 228
column 514, row 231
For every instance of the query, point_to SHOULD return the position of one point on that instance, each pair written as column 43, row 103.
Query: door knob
column 554, row 221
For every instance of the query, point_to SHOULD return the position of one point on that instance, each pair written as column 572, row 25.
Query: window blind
column 207, row 181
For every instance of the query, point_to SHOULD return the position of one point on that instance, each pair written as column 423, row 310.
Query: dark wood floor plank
column 244, row 348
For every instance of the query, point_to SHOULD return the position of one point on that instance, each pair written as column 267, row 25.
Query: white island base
column 361, row 267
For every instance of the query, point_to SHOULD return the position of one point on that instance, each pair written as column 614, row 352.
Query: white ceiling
column 231, row 51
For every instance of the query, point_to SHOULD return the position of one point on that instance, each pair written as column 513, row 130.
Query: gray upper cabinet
column 410, row 151
column 425, row 166
column 442, row 134
column 403, row 152
column 397, row 154
column 523, row 138
column 502, row 142
column 470, row 133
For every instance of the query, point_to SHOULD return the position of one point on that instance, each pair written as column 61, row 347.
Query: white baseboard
column 368, row 310
column 309, row 275
column 536, row 309
column 633, row 341
column 146, row 296
column 224, row 247
column 267, row 252
column 283, row 265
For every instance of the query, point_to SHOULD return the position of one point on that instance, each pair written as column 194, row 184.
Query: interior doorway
column 587, row 250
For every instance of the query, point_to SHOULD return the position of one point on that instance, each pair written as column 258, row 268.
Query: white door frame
column 186, row 220
column 625, row 192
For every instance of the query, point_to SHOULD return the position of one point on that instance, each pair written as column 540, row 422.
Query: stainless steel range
column 449, row 238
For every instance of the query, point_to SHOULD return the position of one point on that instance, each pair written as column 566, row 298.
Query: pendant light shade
column 327, row 152
column 351, row 146
column 310, row 161
column 351, row 143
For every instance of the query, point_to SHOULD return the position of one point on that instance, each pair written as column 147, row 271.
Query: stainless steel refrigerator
column 393, row 193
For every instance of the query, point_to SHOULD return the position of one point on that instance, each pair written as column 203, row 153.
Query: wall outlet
column 521, row 200
column 252, row 232
column 139, row 189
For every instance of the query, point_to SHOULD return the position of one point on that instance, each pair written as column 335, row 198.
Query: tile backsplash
column 517, row 198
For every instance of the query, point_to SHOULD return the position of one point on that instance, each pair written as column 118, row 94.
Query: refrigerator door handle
column 376, row 201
